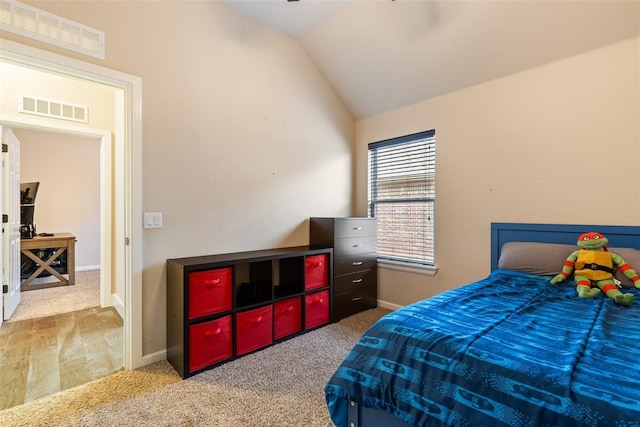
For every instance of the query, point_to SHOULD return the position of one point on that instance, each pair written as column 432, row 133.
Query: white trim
column 407, row 267
column 132, row 87
column 87, row 267
column 118, row 304
column 389, row 305
column 158, row 356
column 133, row 212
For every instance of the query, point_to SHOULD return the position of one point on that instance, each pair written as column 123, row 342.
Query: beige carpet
column 61, row 299
column 279, row 386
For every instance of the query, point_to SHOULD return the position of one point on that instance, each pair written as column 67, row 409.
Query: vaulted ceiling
column 383, row 54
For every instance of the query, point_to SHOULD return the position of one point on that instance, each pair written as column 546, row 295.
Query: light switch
column 152, row 220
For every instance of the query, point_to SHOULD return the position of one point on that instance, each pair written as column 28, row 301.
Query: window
column 401, row 196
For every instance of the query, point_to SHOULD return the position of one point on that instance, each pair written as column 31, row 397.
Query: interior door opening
column 124, row 145
column 59, row 314
column 61, row 175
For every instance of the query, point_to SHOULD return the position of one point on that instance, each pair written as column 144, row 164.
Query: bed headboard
column 503, row 232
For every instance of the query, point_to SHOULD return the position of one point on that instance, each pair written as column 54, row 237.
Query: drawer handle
column 211, row 282
column 210, row 333
column 357, row 245
column 317, row 301
column 357, row 228
column 356, row 280
column 315, row 264
column 257, row 320
column 357, row 263
column 356, row 299
column 286, row 310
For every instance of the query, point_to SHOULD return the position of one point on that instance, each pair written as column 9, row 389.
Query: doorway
column 67, row 170
column 126, row 149
column 59, row 337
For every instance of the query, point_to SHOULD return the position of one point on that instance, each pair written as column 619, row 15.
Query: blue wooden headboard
column 502, row 232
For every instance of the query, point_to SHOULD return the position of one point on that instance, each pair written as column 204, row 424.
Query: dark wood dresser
column 355, row 273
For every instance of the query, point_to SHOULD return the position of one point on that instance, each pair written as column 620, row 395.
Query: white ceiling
column 383, row 54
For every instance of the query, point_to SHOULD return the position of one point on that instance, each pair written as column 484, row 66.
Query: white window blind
column 401, row 196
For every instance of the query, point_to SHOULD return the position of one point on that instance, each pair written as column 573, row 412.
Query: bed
column 508, row 350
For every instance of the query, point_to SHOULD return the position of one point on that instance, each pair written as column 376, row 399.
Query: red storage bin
column 316, row 271
column 287, row 317
column 316, row 309
column 254, row 329
column 209, row 292
column 209, row 343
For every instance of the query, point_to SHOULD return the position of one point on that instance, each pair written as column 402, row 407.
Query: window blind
column 401, row 196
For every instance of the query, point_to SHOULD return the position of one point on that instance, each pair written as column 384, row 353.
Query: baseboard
column 88, row 267
column 158, row 356
column 389, row 305
column 118, row 304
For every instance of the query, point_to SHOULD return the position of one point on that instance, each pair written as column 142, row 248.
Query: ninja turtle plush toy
column 594, row 264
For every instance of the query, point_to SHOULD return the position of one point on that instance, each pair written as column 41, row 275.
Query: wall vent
column 53, row 109
column 37, row 24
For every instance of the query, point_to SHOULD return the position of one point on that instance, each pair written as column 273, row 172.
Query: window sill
column 408, row 267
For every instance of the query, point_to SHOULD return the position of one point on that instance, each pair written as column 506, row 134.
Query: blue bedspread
column 510, row 350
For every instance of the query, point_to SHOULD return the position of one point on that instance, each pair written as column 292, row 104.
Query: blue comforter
column 509, row 350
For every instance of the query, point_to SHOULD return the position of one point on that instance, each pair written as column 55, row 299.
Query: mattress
column 510, row 349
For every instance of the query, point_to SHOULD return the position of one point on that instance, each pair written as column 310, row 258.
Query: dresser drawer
column 353, row 227
column 362, row 280
column 353, row 263
column 254, row 329
column 209, row 292
column 354, row 245
column 347, row 304
column 209, row 343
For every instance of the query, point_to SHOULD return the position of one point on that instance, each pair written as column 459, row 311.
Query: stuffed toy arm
column 626, row 269
column 567, row 268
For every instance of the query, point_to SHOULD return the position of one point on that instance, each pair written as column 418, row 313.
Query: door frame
column 127, row 232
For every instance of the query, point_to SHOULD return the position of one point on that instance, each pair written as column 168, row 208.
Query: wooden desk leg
column 36, row 273
column 71, row 261
column 46, row 265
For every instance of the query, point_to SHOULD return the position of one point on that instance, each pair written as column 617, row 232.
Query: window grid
column 401, row 196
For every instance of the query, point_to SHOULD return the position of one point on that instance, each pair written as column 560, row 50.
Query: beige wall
column 68, row 200
column 243, row 138
column 17, row 80
column 555, row 144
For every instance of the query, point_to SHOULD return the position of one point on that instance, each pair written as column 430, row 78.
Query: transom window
column 401, row 196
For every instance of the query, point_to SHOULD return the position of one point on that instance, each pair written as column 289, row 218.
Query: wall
column 17, row 80
column 68, row 169
column 243, row 138
column 554, row 144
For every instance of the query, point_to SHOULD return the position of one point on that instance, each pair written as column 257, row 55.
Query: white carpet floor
column 61, row 299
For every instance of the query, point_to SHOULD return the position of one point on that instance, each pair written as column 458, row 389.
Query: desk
column 59, row 241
